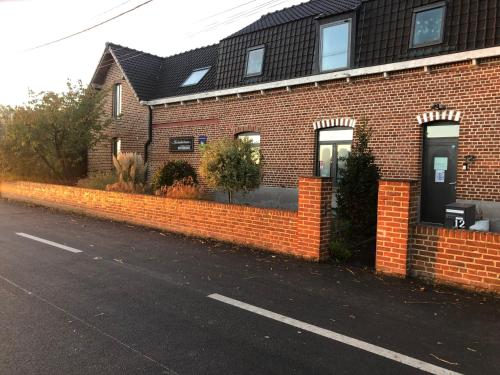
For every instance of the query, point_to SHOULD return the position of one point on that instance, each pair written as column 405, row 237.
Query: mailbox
column 460, row 215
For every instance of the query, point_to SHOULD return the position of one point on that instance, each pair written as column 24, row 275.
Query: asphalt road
column 136, row 301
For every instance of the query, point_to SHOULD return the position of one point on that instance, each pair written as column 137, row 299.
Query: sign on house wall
column 182, row 144
column 202, row 140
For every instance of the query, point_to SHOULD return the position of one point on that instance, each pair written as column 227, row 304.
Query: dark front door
column 439, row 177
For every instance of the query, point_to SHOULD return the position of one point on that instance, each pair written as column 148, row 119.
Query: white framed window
column 428, row 25
column 117, row 146
column 117, row 100
column 195, row 77
column 335, row 45
column 255, row 61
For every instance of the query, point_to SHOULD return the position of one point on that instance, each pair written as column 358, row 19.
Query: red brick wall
column 465, row 258
column 298, row 234
column 394, row 217
column 285, row 121
column 131, row 127
column 459, row 257
column 314, row 216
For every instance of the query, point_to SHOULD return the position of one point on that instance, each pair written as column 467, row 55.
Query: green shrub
column 357, row 191
column 131, row 173
column 98, row 181
column 339, row 250
column 231, row 166
column 172, row 171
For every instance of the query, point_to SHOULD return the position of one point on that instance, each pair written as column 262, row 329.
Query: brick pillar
column 396, row 213
column 314, row 217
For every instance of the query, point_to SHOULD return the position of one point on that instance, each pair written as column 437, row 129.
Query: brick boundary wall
column 300, row 234
column 462, row 258
column 394, row 217
column 452, row 256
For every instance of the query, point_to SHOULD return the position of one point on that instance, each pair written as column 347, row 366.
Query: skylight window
column 195, row 77
column 255, row 61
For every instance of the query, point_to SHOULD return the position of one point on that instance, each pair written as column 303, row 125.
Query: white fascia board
column 378, row 69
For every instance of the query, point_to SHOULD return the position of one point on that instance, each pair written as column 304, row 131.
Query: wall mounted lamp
column 469, row 160
column 438, row 107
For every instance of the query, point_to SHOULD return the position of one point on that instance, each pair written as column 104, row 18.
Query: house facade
column 424, row 75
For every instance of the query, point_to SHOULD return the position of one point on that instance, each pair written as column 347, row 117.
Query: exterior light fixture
column 438, row 107
column 469, row 159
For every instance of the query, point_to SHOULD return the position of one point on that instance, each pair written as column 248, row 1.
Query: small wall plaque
column 182, row 144
column 202, row 139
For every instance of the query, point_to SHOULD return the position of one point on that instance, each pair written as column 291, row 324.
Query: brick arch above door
column 432, row 116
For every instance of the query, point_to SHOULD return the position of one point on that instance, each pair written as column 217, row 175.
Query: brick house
column 425, row 74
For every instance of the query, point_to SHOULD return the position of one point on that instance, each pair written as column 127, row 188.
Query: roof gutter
column 345, row 74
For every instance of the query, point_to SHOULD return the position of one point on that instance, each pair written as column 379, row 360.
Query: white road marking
column 374, row 349
column 55, row 244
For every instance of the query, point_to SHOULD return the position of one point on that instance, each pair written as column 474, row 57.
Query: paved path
column 85, row 296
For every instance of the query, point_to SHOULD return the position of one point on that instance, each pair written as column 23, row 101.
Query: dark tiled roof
column 289, row 53
column 142, row 69
column 300, row 11
column 382, row 29
column 176, row 69
column 154, row 77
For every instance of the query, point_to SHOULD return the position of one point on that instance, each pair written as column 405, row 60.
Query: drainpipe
column 150, row 134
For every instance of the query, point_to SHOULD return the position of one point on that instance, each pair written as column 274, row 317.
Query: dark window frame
column 255, row 48
column 441, row 4
column 350, row 48
column 333, row 168
column 207, row 68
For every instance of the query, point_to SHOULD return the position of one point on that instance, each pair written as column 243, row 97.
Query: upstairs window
column 117, row 100
column 195, row 77
column 255, row 61
column 428, row 25
column 335, row 45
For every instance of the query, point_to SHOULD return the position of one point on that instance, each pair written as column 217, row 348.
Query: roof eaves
column 96, row 71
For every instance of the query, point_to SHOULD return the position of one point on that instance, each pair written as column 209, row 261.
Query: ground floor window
column 255, row 138
column 334, row 146
column 117, row 146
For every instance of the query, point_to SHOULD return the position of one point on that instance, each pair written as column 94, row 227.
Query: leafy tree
column 231, row 166
column 48, row 139
column 357, row 192
column 5, row 119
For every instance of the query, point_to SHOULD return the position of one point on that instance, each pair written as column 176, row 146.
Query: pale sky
column 162, row 27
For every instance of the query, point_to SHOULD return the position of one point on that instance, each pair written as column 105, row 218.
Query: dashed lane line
column 374, row 349
column 47, row 242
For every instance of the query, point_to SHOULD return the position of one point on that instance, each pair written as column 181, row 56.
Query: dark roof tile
column 157, row 77
column 297, row 12
column 142, row 69
column 176, row 69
